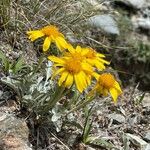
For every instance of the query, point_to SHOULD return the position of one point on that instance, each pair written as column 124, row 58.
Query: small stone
column 146, row 100
column 72, row 38
column 89, row 148
column 137, row 141
column 1, row 93
column 117, row 118
column 2, row 116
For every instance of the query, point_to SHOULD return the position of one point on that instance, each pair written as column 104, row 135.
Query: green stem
column 57, row 96
column 87, row 101
column 41, row 60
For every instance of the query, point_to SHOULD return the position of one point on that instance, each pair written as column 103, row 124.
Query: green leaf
column 5, row 61
column 141, row 98
column 73, row 123
column 12, row 83
column 18, row 65
column 102, row 142
column 87, row 125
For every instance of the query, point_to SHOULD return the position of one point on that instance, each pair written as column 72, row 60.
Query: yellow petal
column 100, row 55
column 83, row 78
column 99, row 65
column 62, row 42
column 117, row 86
column 69, row 80
column 61, row 35
column 88, row 79
column 114, row 93
column 56, row 59
column 47, row 43
column 33, row 35
column 103, row 61
column 87, row 67
column 62, row 78
column 85, row 51
column 78, row 49
column 58, row 71
column 80, row 82
column 58, row 45
column 70, row 48
column 95, row 75
column 58, row 65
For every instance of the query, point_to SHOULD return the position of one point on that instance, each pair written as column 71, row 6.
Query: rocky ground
column 122, row 30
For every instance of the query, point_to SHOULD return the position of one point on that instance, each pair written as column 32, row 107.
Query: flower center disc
column 77, row 56
column 50, row 30
column 73, row 66
column 107, row 80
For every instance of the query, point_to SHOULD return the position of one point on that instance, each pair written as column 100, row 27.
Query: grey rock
column 93, row 2
column 71, row 38
column 137, row 141
column 137, row 4
column 3, row 116
column 117, row 118
column 146, row 100
column 143, row 23
column 148, row 147
column 1, row 93
column 133, row 120
column 147, row 136
column 105, row 22
column 89, row 148
column 13, row 132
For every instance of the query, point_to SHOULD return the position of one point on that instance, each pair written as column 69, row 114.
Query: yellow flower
column 76, row 53
column 107, row 84
column 72, row 70
column 51, row 34
column 89, row 55
column 94, row 58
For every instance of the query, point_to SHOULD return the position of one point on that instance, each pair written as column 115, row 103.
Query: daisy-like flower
column 89, row 55
column 94, row 58
column 106, row 83
column 51, row 34
column 75, row 53
column 72, row 70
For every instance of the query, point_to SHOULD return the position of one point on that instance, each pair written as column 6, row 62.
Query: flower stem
column 84, row 103
column 57, row 96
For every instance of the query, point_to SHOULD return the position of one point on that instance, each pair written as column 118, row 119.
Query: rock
column 105, row 22
column 137, row 4
column 1, row 93
column 146, row 100
column 89, row 148
column 143, row 23
column 137, row 141
column 93, row 2
column 148, row 147
column 117, row 118
column 13, row 132
column 72, row 38
column 133, row 120
column 97, row 5
column 147, row 136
